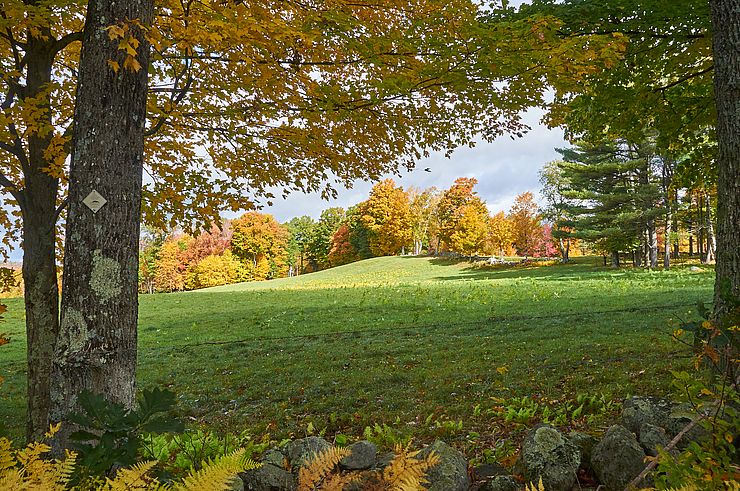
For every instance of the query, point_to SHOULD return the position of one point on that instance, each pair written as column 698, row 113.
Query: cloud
column 504, row 168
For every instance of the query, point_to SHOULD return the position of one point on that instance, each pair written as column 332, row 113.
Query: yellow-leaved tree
column 387, row 217
column 261, row 244
column 500, row 234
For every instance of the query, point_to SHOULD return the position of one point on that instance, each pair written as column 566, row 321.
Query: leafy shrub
column 179, row 453
column 110, row 436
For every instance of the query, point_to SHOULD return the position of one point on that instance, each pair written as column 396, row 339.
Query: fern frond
column 6, row 455
column 406, row 472
column 319, row 467
column 134, row 477
column 535, row 487
column 217, row 475
column 338, row 482
column 61, row 471
column 11, row 479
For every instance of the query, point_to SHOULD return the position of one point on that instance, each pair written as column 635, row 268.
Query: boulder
column 679, row 417
column 236, row 485
column 672, row 417
column 637, row 411
column 501, row 483
column 276, row 458
column 268, row 477
column 383, row 460
column 451, row 473
column 546, row 454
column 585, row 444
column 487, row 471
column 652, row 437
column 362, row 456
column 299, row 452
column 618, row 458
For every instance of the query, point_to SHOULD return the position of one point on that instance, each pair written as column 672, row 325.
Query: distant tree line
column 391, row 221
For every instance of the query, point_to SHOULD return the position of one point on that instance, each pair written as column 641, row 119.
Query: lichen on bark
column 105, row 278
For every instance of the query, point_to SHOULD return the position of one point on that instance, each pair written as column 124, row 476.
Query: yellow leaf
column 131, row 63
column 53, row 430
column 115, row 32
column 114, row 65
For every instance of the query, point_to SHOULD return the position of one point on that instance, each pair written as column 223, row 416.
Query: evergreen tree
column 614, row 198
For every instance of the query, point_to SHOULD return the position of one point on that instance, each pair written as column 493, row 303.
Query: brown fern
column 318, row 468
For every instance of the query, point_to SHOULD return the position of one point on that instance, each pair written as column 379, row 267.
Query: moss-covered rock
column 548, row 455
column 451, row 473
column 618, row 458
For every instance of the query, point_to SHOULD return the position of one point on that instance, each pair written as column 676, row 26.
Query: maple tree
column 725, row 20
column 471, row 227
column 342, row 251
column 170, row 268
column 451, row 202
column 260, row 242
column 525, row 224
column 214, row 270
column 386, row 215
column 500, row 234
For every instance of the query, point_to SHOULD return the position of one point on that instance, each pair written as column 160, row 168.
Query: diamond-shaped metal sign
column 94, row 201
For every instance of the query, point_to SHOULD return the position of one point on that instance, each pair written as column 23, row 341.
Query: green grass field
column 408, row 341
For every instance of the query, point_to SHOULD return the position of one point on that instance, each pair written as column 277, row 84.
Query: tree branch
column 684, row 79
column 65, row 41
column 61, row 208
column 11, row 188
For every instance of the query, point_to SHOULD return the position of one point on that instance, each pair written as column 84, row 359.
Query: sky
column 504, row 168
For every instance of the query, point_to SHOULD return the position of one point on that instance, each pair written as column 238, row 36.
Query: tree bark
column 726, row 48
column 38, row 205
column 652, row 243
column 711, row 247
column 96, row 349
column 667, row 240
column 615, row 259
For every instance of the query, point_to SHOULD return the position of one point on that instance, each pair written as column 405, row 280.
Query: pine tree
column 614, row 198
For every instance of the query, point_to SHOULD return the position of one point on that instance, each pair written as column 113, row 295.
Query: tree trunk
column 711, row 248
column 615, row 259
column 652, row 244
column 96, row 349
column 38, row 205
column 726, row 49
column 700, row 228
column 667, row 240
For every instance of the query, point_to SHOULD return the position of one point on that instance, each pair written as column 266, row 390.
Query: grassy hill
column 414, row 340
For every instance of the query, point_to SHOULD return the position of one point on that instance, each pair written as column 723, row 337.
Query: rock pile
column 547, row 455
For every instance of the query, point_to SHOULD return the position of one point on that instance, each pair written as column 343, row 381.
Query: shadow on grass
column 587, row 268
